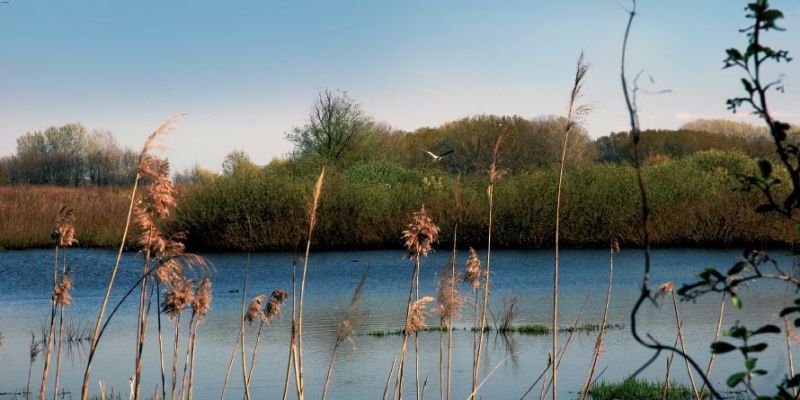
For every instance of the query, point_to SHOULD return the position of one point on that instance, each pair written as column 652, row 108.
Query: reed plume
column 575, row 114
column 345, row 331
column 312, row 223
column 472, row 276
column 62, row 296
column 154, row 206
column 271, row 310
column 418, row 239
column 201, row 305
column 152, row 142
column 495, row 174
column 179, row 295
column 64, row 236
column 417, row 315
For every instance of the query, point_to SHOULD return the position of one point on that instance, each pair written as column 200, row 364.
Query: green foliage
column 366, row 204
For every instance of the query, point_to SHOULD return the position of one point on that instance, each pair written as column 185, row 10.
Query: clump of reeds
column 418, row 239
column 152, row 142
column 575, row 114
column 345, row 331
column 64, row 236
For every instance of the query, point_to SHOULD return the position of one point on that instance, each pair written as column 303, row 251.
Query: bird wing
column 431, row 154
column 448, row 152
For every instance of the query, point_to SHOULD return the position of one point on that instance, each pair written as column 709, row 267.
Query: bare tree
column 335, row 125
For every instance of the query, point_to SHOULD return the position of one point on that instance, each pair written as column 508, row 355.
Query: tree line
column 69, row 155
column 339, row 132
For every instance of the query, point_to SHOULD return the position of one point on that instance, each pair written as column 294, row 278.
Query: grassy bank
column 693, row 204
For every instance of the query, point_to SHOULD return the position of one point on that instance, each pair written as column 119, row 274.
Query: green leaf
column 760, row 372
column 747, row 85
column 736, row 301
column 735, row 379
column 767, row 329
column 734, row 54
column 750, row 363
column 738, row 267
column 755, row 348
column 794, row 381
column 722, row 347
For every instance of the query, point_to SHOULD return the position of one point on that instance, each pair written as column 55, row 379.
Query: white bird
column 439, row 157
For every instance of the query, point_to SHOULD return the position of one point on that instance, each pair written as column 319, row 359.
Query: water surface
column 361, row 370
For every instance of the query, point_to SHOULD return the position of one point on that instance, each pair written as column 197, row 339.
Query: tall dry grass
column 418, row 239
column 151, row 143
column 494, row 175
column 575, row 115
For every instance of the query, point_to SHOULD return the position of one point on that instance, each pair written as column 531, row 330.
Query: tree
column 335, row 126
column 237, row 162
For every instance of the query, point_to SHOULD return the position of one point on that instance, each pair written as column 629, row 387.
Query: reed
column 665, row 392
column 495, row 175
column 292, row 332
column 201, row 305
column 178, row 297
column 449, row 303
column 230, row 366
column 388, row 379
column 63, row 297
column 271, row 311
column 663, row 290
column 152, row 209
column 575, row 113
column 312, row 222
column 716, row 338
column 538, row 379
column 64, row 236
column 151, row 143
column 418, row 239
column 33, row 352
column 598, row 346
column 345, row 331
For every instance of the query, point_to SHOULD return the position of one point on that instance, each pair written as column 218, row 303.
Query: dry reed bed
column 27, row 214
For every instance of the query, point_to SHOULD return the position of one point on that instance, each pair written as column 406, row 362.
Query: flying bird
column 439, row 157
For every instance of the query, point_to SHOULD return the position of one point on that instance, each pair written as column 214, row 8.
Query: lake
column 361, row 370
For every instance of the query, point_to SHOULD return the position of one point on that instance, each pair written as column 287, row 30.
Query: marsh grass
column 638, row 389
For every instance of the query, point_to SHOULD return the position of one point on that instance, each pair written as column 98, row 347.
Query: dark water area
column 361, row 370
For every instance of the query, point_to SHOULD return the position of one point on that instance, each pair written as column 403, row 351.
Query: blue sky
column 245, row 72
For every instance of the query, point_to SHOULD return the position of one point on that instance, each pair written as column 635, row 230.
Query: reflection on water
column 361, row 369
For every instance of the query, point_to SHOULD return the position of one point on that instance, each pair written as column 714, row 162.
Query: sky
column 246, row 72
